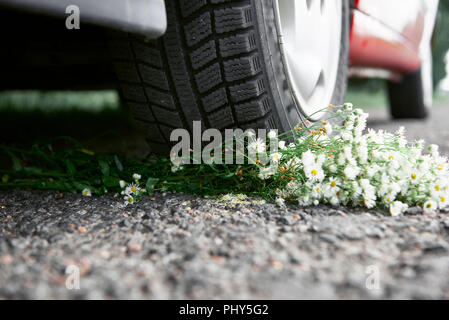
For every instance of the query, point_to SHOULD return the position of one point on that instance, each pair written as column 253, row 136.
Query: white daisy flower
column 331, row 188
column 257, row 146
column 280, row 202
column 372, row 170
column 347, row 135
column 333, row 168
column 430, row 206
column 129, row 200
column 267, row 172
column 308, row 158
column 443, row 201
column 317, row 191
column 132, row 189
column 137, row 177
column 369, row 202
column 282, row 145
column 414, row 176
column 304, row 201
column 276, row 157
column 351, row 172
column 397, row 208
column 314, row 173
column 86, row 192
column 335, row 201
column 401, row 131
column 389, row 198
column 175, row 169
column 122, row 184
column 272, row 134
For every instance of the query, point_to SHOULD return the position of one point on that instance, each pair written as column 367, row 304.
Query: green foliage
column 76, row 168
column 91, row 101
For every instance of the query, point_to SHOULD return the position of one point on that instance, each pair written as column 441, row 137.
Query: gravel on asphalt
column 182, row 246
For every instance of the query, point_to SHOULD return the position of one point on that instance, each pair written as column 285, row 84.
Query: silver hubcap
column 310, row 39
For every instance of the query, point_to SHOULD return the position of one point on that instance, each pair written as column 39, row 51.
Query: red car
column 393, row 40
column 227, row 63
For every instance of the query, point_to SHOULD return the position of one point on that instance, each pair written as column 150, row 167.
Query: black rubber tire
column 407, row 97
column 219, row 62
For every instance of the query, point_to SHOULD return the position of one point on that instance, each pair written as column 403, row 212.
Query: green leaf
column 32, row 170
column 71, row 170
column 16, row 165
column 118, row 163
column 111, row 182
column 104, row 167
column 79, row 186
column 151, row 182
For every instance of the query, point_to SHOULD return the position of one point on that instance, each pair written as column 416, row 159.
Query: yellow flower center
column 333, row 184
column 429, row 205
column 318, row 189
column 133, row 189
column 390, row 158
column 440, row 167
column 130, row 200
column 314, row 172
column 388, row 200
column 443, row 199
column 437, row 188
column 413, row 176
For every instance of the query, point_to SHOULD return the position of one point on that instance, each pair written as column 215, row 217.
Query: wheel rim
column 310, row 39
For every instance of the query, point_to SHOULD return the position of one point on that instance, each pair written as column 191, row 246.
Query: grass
column 74, row 168
column 375, row 96
column 28, row 101
column 367, row 99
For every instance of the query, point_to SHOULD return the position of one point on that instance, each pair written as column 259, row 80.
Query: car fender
column 144, row 17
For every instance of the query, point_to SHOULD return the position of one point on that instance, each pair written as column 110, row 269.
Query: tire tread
column 207, row 67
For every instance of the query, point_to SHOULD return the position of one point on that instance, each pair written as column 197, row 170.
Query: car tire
column 219, row 63
column 411, row 98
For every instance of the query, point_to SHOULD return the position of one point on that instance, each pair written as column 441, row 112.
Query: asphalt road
column 182, row 246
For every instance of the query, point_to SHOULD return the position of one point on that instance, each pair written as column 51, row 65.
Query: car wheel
column 412, row 97
column 246, row 64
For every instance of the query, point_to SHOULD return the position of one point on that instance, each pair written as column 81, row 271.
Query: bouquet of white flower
column 351, row 167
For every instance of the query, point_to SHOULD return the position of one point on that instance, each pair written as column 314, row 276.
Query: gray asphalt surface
column 182, row 246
